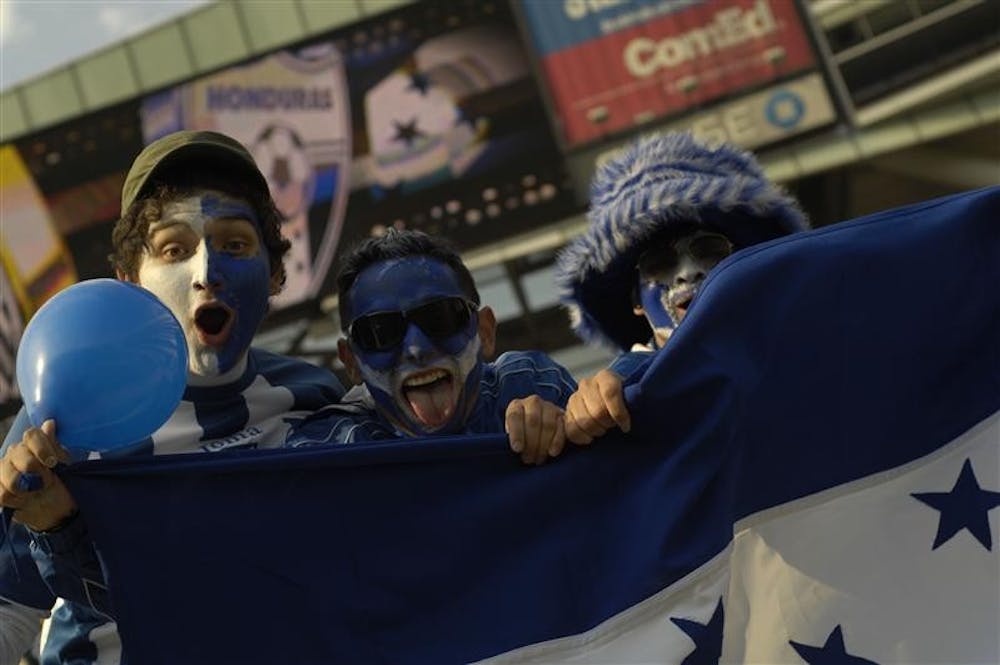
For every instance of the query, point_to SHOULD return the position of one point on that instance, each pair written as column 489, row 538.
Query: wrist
column 54, row 525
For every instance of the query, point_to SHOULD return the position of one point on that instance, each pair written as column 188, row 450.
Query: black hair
column 396, row 244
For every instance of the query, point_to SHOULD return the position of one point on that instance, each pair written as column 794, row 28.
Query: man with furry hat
column 662, row 215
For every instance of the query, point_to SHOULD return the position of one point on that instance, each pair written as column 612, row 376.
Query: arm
column 69, row 563
column 62, row 552
column 25, row 600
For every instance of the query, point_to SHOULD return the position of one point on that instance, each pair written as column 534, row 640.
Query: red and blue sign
column 612, row 65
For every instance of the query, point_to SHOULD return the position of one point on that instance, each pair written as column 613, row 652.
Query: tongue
column 432, row 404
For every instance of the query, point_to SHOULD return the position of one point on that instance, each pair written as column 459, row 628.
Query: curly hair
column 130, row 236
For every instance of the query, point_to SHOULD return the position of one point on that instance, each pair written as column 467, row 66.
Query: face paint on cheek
column 470, row 366
column 246, row 287
column 653, row 297
column 171, row 283
column 384, row 385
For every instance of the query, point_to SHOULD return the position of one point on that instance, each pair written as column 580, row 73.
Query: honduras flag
column 812, row 477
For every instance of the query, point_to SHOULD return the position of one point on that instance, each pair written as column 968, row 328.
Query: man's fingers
column 514, row 424
column 13, row 493
column 42, row 445
column 574, row 432
column 550, row 414
column 558, row 437
column 49, row 427
column 10, row 493
column 614, row 402
column 597, row 420
column 532, row 430
column 24, row 460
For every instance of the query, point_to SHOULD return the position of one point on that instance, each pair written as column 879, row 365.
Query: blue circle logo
column 785, row 109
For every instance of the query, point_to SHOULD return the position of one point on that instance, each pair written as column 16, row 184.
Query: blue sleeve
column 20, row 580
column 631, row 365
column 36, row 568
column 70, row 565
column 312, row 387
column 337, row 424
column 520, row 374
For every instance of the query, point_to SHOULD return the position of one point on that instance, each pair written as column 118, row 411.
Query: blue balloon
column 107, row 360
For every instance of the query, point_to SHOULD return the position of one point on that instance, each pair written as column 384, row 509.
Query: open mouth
column 680, row 300
column 682, row 305
column 430, row 394
column 213, row 322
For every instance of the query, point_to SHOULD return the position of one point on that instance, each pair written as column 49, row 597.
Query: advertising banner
column 451, row 136
column 760, row 118
column 423, row 119
column 291, row 111
column 611, row 65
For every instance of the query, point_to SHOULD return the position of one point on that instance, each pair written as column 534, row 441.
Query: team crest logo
column 291, row 110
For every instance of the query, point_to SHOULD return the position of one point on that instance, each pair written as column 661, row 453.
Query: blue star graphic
column 419, row 82
column 707, row 638
column 965, row 507
column 832, row 652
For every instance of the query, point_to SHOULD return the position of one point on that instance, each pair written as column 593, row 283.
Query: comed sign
column 611, row 65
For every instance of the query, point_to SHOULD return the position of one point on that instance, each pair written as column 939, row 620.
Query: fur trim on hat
column 662, row 182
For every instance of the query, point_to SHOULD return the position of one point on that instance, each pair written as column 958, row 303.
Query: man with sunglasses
column 416, row 339
column 664, row 213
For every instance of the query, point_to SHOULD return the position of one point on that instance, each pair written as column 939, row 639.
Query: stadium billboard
column 612, row 66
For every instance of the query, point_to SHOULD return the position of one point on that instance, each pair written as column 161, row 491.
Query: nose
column 417, row 347
column 207, row 277
column 689, row 272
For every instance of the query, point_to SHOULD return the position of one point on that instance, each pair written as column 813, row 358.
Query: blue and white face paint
column 205, row 260
column 423, row 385
column 654, row 297
column 674, row 276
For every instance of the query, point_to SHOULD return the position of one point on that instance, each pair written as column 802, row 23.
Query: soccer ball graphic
column 281, row 156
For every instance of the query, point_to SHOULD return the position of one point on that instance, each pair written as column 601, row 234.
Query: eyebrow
column 212, row 206
column 166, row 223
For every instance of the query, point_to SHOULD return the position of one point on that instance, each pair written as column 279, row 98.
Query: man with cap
column 199, row 230
column 662, row 215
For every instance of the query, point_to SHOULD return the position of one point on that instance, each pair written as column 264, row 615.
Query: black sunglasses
column 704, row 247
column 439, row 319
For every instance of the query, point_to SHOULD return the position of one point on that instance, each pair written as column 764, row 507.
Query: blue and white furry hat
column 662, row 183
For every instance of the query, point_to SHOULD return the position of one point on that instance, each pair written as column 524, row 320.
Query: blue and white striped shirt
column 514, row 375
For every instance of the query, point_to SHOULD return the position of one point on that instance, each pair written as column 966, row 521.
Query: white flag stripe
column 862, row 559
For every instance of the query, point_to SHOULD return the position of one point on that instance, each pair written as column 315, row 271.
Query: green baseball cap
column 188, row 145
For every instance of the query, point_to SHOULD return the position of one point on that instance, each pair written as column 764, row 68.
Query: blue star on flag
column 966, row 506
column 707, row 638
column 833, row 652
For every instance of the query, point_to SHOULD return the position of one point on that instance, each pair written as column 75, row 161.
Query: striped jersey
column 514, row 375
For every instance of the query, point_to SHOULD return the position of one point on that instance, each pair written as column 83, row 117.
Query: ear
column 488, row 331
column 350, row 362
column 122, row 277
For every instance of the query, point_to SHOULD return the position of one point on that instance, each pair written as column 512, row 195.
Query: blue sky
column 40, row 35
